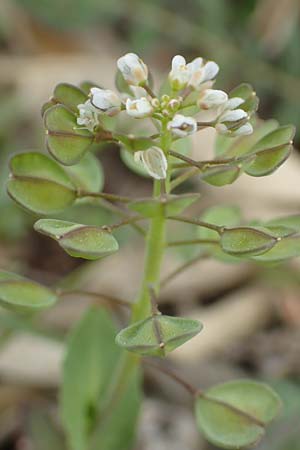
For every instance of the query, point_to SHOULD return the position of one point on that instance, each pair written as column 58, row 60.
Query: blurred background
column 251, row 314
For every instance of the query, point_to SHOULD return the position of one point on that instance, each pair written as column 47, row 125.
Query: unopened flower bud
column 88, row 117
column 154, row 161
column 105, row 100
column 212, row 98
column 133, row 69
column 182, row 126
column 174, row 104
column 233, row 115
column 244, row 130
column 139, row 108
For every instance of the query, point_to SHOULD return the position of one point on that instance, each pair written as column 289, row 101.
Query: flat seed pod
column 246, row 241
column 20, row 294
column 86, row 86
column 69, row 96
column 135, row 143
column 128, row 159
column 246, row 92
column 286, row 248
column 88, row 174
column 167, row 206
column 39, row 184
column 79, row 240
column 158, row 335
column 222, row 175
column 66, row 141
column 234, row 415
column 281, row 136
column 267, row 161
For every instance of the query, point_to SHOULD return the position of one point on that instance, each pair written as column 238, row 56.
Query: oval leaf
column 20, row 294
column 158, row 334
column 234, row 415
column 66, row 141
column 246, row 241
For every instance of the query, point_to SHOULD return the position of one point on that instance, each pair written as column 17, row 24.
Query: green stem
column 155, row 244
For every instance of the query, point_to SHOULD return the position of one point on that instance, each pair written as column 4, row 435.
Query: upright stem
column 154, row 254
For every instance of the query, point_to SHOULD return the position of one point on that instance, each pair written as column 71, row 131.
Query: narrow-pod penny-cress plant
column 101, row 386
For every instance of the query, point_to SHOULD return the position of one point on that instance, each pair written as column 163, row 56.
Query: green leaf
column 66, row 141
column 158, row 334
column 168, row 205
column 234, row 415
column 286, row 248
column 80, row 241
column 292, row 221
column 88, row 174
column 91, row 359
column 69, row 96
column 243, row 241
column 20, row 294
column 39, row 184
column 267, row 161
column 116, row 429
column 221, row 175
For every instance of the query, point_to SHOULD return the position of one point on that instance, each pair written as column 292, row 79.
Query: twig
column 197, row 222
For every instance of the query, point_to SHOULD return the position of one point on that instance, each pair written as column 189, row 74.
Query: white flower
column 180, row 73
column 105, row 100
column 244, row 130
column 133, row 69
column 181, row 126
column 193, row 74
column 212, row 98
column 154, row 161
column 139, row 108
column 88, row 117
column 232, row 119
column 233, row 115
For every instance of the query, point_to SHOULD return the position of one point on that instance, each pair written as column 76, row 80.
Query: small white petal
column 234, row 102
column 154, row 161
column 178, row 61
column 182, row 126
column 180, row 73
column 244, row 130
column 221, row 128
column 212, row 98
column 233, row 116
column 88, row 117
column 139, row 108
column 211, row 70
column 105, row 100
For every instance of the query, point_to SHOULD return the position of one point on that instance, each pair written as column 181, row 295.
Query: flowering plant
column 102, row 370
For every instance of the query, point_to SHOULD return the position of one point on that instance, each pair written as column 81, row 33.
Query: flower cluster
column 189, row 85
